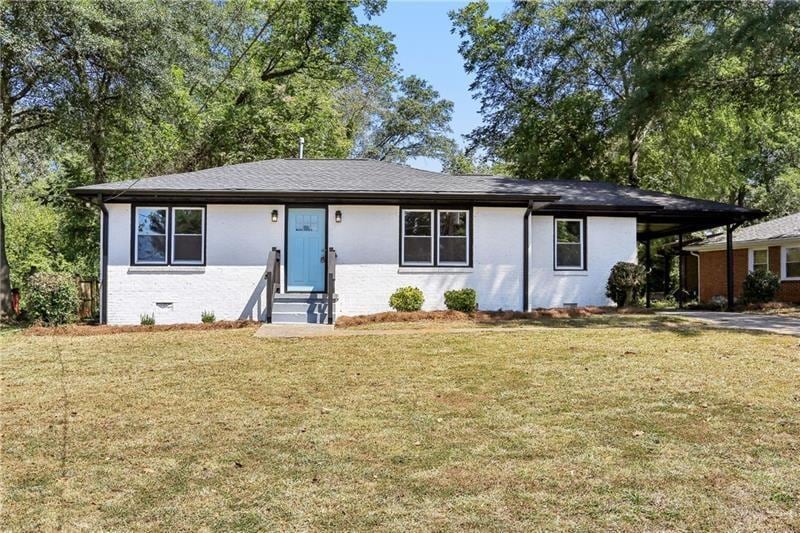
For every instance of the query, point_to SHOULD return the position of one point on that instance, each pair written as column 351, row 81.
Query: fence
column 89, row 293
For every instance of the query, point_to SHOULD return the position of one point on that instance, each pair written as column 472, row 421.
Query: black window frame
column 169, row 235
column 435, row 236
column 584, row 239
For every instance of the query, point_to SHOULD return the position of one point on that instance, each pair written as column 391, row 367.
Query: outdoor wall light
column 338, row 216
column 274, row 215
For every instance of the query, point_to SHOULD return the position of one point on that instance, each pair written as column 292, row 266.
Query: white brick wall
column 609, row 240
column 231, row 285
column 367, row 242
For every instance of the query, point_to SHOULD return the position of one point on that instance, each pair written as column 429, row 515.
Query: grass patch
column 612, row 425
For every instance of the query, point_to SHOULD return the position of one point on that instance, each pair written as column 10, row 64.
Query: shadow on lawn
column 675, row 325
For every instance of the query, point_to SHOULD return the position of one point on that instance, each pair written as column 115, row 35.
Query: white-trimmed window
column 569, row 247
column 150, row 240
column 791, row 262
column 759, row 260
column 417, row 239
column 453, row 237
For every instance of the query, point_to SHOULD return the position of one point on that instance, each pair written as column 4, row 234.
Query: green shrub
column 147, row 320
column 465, row 300
column 760, row 286
column 407, row 299
column 52, row 297
column 207, row 317
column 626, row 283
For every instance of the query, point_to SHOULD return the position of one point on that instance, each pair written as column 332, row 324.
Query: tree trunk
column 634, row 146
column 628, row 297
column 97, row 154
column 5, row 128
column 5, row 270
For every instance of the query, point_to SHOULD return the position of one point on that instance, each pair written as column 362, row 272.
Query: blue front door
column 305, row 266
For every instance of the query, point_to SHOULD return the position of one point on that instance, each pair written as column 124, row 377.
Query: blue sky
column 426, row 48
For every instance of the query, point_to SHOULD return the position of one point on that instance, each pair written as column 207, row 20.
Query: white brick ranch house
column 282, row 240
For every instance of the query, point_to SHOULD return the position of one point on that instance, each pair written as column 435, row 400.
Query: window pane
column 188, row 248
column 151, row 248
column 417, row 223
column 568, row 230
column 453, row 250
column 453, row 223
column 793, row 262
column 568, row 255
column 758, row 267
column 417, row 250
column 760, row 257
column 151, row 221
column 188, row 221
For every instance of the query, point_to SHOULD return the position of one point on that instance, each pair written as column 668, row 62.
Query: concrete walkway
column 782, row 325
column 294, row 330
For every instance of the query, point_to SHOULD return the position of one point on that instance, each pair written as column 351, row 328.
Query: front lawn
column 649, row 423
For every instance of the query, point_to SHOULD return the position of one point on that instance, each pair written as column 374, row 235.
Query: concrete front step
column 303, row 297
column 290, row 306
column 281, row 317
column 301, row 308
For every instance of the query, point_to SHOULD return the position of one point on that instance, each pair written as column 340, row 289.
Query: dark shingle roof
column 363, row 177
column 787, row 227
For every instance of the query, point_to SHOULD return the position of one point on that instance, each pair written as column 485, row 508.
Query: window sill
column 434, row 270
column 570, row 273
column 790, row 279
column 166, row 269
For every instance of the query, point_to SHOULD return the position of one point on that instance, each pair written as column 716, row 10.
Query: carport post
column 649, row 266
column 729, row 263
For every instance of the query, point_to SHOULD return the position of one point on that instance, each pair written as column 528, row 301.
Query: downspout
column 526, row 229
column 103, row 258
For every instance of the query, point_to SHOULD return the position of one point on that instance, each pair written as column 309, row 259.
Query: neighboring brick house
column 772, row 245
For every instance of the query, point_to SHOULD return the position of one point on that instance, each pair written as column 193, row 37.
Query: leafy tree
column 107, row 90
column 28, row 93
column 278, row 70
column 692, row 97
column 118, row 69
column 560, row 85
column 415, row 123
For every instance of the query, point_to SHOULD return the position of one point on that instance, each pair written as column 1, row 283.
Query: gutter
column 98, row 201
column 526, row 229
column 126, row 195
column 533, row 205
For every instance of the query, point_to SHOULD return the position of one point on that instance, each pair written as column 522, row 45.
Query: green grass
column 617, row 424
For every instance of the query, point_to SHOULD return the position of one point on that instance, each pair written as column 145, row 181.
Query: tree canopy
column 101, row 91
column 686, row 97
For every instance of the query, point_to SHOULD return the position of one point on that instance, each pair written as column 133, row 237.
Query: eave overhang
column 285, row 197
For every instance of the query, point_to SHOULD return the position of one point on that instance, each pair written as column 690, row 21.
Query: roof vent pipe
column 302, row 142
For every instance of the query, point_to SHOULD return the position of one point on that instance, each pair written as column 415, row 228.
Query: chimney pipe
column 302, row 142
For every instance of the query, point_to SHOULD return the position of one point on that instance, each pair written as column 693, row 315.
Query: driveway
column 771, row 323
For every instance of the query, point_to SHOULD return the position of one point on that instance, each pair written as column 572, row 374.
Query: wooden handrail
column 273, row 277
column 331, row 258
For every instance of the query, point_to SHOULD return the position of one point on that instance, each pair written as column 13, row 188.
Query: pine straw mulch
column 479, row 317
column 83, row 330
column 484, row 317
